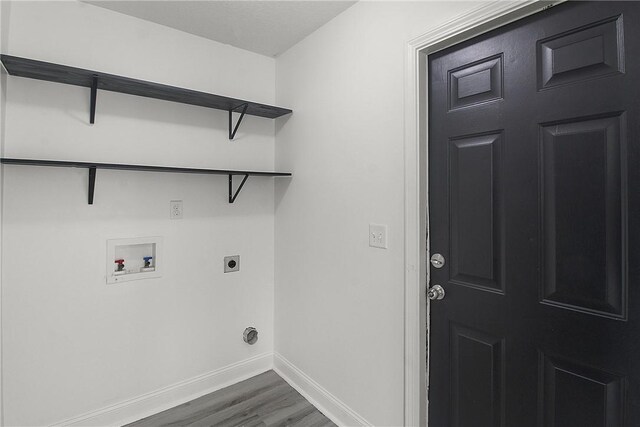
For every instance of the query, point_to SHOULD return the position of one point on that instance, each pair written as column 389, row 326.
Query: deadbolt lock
column 437, row 260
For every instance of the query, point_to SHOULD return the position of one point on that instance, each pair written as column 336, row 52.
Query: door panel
column 533, row 154
column 476, row 378
column 589, row 52
column 577, row 395
column 474, row 168
column 584, row 263
column 475, row 83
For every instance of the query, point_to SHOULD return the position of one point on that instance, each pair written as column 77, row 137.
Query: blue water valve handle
column 147, row 261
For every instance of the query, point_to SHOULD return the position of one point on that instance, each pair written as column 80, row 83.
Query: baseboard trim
column 176, row 394
column 336, row 410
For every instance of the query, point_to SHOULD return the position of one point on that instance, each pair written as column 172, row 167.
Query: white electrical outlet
column 378, row 236
column 176, row 209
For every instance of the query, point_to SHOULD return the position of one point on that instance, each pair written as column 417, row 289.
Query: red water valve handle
column 119, row 261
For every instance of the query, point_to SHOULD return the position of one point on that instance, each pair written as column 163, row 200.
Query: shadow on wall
column 69, row 98
column 5, row 11
column 281, row 185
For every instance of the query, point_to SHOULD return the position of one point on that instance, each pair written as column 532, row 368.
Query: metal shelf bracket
column 232, row 129
column 94, row 97
column 232, row 195
column 92, row 184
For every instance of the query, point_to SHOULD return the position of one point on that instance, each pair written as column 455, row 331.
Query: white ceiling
column 266, row 27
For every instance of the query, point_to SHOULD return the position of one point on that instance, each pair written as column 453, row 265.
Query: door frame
column 473, row 23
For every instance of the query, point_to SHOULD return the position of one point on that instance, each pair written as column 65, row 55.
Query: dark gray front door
column 534, row 202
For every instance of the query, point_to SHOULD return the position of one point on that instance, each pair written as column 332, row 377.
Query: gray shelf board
column 23, row 67
column 142, row 168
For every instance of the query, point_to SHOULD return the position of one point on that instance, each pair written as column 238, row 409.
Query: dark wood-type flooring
column 265, row 400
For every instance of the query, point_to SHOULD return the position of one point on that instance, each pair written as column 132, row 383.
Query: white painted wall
column 4, row 19
column 71, row 343
column 338, row 302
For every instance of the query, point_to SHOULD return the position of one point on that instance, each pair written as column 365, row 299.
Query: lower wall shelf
column 93, row 167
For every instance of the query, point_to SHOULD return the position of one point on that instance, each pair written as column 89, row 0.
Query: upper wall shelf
column 95, row 80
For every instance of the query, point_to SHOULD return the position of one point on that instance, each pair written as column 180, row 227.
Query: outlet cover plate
column 231, row 263
column 175, row 211
column 378, row 236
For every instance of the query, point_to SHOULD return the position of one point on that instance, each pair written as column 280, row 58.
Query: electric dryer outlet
column 231, row 263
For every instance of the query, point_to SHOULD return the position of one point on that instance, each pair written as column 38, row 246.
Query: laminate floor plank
column 313, row 419
column 204, row 406
column 288, row 412
column 295, row 411
column 247, row 411
column 265, row 400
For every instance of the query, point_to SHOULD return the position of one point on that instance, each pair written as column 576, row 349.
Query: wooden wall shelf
column 95, row 80
column 93, row 167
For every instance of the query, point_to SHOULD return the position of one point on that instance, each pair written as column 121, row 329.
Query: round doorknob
column 436, row 292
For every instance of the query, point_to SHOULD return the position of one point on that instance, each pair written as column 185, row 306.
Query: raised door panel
column 476, row 83
column 572, row 395
column 475, row 211
column 477, row 378
column 585, row 53
column 583, row 185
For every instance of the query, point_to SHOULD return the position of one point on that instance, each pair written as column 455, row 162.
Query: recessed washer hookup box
column 134, row 259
